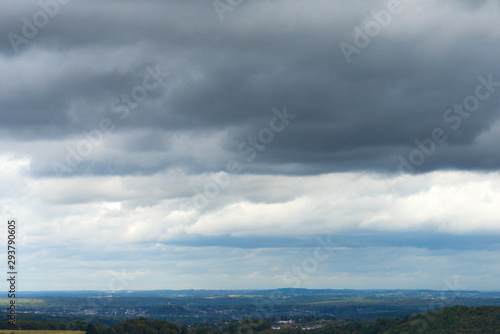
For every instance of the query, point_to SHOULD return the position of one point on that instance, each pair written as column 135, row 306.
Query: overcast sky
column 251, row 144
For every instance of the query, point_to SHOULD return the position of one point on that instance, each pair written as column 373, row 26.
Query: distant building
column 309, row 327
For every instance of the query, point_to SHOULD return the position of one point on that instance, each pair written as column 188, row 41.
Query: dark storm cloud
column 227, row 76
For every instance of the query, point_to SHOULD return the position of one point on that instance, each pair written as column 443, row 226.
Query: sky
column 250, row 144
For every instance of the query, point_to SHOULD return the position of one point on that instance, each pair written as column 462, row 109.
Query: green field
column 23, row 301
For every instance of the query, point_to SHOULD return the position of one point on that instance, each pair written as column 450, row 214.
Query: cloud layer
column 221, row 143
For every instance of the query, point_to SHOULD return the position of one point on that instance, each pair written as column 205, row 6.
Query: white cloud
column 100, row 223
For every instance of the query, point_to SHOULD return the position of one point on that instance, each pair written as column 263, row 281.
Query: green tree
column 91, row 329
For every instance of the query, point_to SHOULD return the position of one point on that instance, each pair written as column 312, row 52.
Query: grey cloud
column 227, row 76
